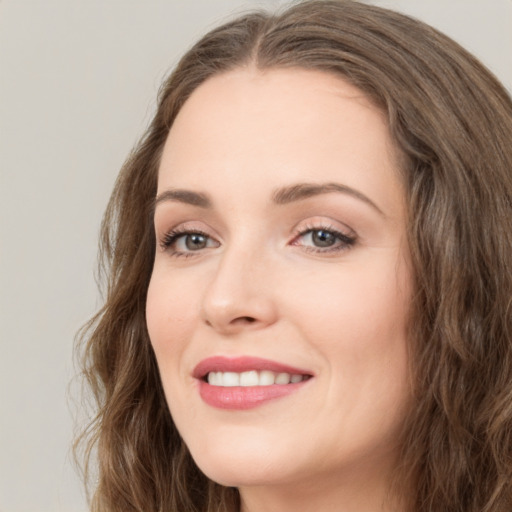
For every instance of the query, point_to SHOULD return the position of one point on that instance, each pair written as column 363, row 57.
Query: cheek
column 171, row 319
column 358, row 325
column 169, row 316
column 359, row 307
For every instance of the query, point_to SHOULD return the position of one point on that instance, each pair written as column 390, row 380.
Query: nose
column 240, row 295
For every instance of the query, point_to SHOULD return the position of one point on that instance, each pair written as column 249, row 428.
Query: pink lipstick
column 246, row 382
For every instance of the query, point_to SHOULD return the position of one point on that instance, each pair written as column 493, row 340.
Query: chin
column 238, row 462
column 243, row 474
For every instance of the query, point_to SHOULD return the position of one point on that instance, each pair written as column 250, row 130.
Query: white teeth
column 230, row 379
column 252, row 378
column 215, row 378
column 249, row 378
column 267, row 378
column 283, row 378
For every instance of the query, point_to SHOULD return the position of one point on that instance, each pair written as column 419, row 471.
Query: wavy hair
column 452, row 122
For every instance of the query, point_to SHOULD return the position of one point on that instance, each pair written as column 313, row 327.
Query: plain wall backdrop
column 78, row 80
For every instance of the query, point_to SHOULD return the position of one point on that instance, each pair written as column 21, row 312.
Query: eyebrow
column 184, row 196
column 302, row 191
column 281, row 196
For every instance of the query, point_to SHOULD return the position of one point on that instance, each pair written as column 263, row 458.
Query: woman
column 308, row 263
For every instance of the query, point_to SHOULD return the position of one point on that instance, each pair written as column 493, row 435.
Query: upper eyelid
column 326, row 223
column 329, row 229
column 180, row 231
column 190, row 226
column 342, row 236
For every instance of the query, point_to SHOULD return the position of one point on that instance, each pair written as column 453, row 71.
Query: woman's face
column 281, row 275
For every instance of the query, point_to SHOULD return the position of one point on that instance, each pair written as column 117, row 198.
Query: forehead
column 279, row 126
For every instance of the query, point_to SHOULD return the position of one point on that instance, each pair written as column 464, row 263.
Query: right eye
column 183, row 243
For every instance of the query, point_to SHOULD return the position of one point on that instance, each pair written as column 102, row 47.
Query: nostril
column 245, row 319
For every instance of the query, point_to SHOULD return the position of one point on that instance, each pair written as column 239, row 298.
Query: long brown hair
column 452, row 122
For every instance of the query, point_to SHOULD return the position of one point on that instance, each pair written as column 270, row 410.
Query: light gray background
column 77, row 86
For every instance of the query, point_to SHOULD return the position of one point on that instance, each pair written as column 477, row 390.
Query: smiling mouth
column 253, row 378
column 246, row 382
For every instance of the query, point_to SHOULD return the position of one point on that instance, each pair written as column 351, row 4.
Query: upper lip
column 243, row 364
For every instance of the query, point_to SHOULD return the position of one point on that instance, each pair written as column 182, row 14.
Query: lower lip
column 241, row 397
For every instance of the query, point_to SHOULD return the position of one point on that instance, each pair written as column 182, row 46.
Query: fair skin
column 314, row 277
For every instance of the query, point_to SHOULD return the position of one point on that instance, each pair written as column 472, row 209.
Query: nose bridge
column 239, row 294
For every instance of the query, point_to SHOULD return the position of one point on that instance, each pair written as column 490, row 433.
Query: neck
column 328, row 493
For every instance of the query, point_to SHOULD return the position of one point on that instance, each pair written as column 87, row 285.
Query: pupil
column 323, row 238
column 195, row 241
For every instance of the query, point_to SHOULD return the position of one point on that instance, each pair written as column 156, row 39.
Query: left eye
column 325, row 239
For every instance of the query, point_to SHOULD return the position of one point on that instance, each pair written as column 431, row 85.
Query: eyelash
column 171, row 237
column 344, row 241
